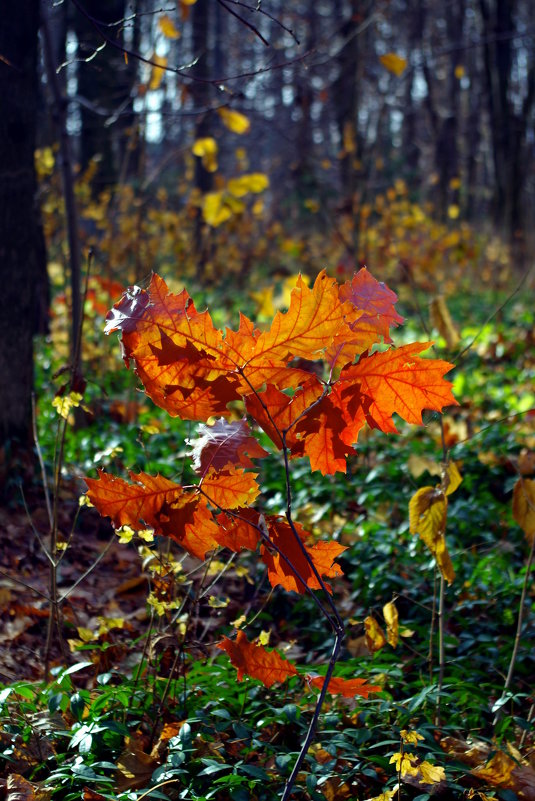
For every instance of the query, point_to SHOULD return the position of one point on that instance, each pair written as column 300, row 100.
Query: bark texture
column 23, row 281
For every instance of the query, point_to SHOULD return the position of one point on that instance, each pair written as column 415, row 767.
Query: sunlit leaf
column 235, row 121
column 394, row 63
column 253, row 660
column 168, row 28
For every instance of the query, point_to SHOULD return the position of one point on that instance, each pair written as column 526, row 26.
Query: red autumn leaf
column 224, row 443
column 397, row 381
column 296, row 574
column 238, row 531
column 346, row 687
column 231, row 487
column 253, row 660
column 136, row 505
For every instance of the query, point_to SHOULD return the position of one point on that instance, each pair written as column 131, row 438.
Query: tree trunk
column 24, row 296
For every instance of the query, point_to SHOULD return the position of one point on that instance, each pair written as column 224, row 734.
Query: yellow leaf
column 235, row 121
column 431, row 774
column 263, row 637
column 218, row 603
column 63, row 405
column 206, row 148
column 375, row 639
column 427, row 517
column 238, row 623
column 214, row 210
column 410, row 736
column 453, row 211
column 86, row 635
column 388, row 795
column 264, row 298
column 394, row 63
column 390, row 614
column 157, row 72
column 455, row 183
column 167, row 27
column 125, row 534
column 524, row 506
column 451, row 478
column 253, row 182
column 459, row 71
column 404, row 763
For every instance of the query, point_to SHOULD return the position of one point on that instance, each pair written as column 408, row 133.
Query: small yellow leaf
column 64, row 404
column 427, row 517
column 264, row 637
column 394, row 63
column 451, row 479
column 235, row 121
column 404, row 763
column 431, row 774
column 167, row 27
column 390, row 614
column 459, row 71
column 125, row 534
column 375, row 639
column 253, row 182
column 524, row 506
column 206, row 148
column 157, row 72
column 86, row 635
column 453, row 211
column 83, row 500
column 218, row 603
column 410, row 736
column 238, row 623
column 146, row 534
column 264, row 299
column 214, row 209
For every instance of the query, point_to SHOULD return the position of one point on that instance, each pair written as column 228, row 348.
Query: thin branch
column 249, row 25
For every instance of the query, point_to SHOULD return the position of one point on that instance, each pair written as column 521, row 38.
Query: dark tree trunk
column 24, row 294
column 103, row 87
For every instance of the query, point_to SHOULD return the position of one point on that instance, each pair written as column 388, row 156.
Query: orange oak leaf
column 253, row 660
column 276, row 412
column 397, row 381
column 136, row 505
column 224, row 443
column 373, row 316
column 346, row 687
column 231, row 487
column 241, row 530
column 294, row 572
column 189, row 522
column 186, row 365
column 308, row 327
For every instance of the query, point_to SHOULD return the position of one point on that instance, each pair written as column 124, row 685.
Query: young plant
column 311, row 382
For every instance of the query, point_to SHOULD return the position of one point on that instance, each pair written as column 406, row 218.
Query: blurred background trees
column 331, row 117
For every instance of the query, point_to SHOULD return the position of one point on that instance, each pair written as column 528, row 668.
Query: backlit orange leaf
column 276, row 412
column 295, row 573
column 190, row 523
column 266, row 666
column 136, row 505
column 348, row 688
column 231, row 487
column 398, row 381
column 238, row 531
